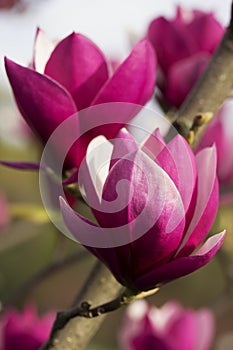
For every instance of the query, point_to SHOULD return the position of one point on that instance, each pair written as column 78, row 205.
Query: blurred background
column 28, row 242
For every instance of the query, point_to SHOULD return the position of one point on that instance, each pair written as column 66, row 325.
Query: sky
column 106, row 22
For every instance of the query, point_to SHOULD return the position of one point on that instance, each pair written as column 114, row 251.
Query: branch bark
column 75, row 333
column 210, row 91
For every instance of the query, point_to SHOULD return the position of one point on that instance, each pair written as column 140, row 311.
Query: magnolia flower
column 219, row 132
column 167, row 328
column 183, row 47
column 72, row 75
column 154, row 204
column 25, row 330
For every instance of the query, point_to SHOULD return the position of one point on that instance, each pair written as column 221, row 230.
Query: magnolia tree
column 138, row 189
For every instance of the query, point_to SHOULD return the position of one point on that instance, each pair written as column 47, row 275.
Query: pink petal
column 108, row 118
column 206, row 203
column 182, row 76
column 153, row 213
column 171, row 41
column 78, row 65
column 224, row 142
column 220, row 132
column 167, row 163
column 140, row 175
column 75, row 222
column 89, row 234
column 134, row 79
column 153, row 144
column 167, row 315
column 93, row 238
column 43, row 47
column 94, row 169
column 119, row 213
column 133, row 323
column 182, row 333
column 214, row 134
column 119, row 187
column 205, row 329
column 206, row 31
column 25, row 330
column 186, row 168
column 117, row 259
column 147, row 340
column 124, row 144
column 155, row 147
column 43, row 103
column 182, row 266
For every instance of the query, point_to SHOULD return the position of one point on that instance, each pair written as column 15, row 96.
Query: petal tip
column 63, row 202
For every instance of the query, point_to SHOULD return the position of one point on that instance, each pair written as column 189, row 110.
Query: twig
column 210, row 91
column 21, row 293
column 75, row 333
column 85, row 310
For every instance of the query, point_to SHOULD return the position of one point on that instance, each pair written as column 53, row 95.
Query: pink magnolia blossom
column 183, row 46
column 24, row 330
column 219, row 132
column 73, row 75
column 167, row 328
column 154, row 206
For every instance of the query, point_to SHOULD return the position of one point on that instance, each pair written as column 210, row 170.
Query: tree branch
column 71, row 333
column 210, row 91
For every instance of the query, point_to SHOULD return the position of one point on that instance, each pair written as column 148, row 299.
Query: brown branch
column 72, row 333
column 210, row 91
column 86, row 312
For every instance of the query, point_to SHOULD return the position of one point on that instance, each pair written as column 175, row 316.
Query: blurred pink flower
column 73, row 75
column 163, row 191
column 24, row 330
column 220, row 133
column 167, row 328
column 183, row 46
column 7, row 4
